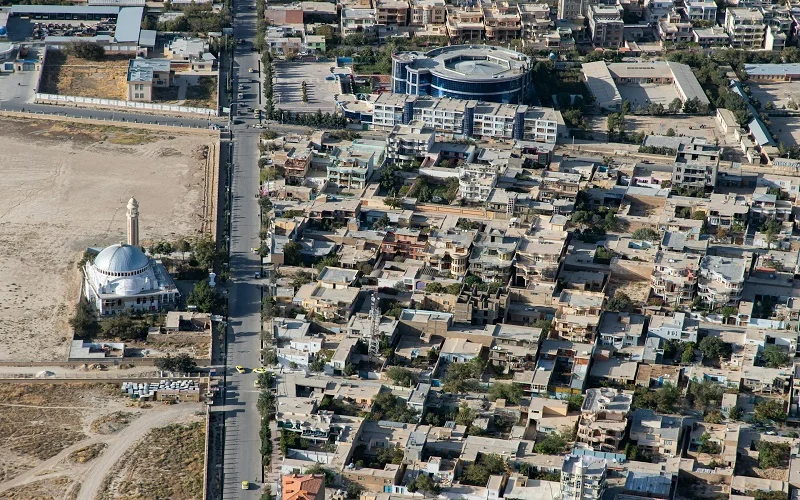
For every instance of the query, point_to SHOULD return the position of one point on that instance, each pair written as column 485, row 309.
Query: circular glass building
column 477, row 72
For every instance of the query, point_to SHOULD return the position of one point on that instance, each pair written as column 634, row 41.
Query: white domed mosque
column 122, row 278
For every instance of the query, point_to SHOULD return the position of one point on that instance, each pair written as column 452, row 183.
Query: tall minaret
column 133, row 222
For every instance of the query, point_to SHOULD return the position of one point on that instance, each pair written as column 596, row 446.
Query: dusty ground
column 785, row 130
column 61, row 440
column 68, row 75
column 167, row 463
column 779, row 94
column 65, row 187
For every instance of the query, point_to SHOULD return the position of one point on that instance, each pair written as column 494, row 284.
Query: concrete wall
column 92, row 102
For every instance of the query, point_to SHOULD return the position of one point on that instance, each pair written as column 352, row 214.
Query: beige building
column 604, row 417
column 578, row 315
column 427, row 12
column 146, row 74
column 675, row 277
column 658, row 435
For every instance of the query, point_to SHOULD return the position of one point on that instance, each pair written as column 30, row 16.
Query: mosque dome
column 121, row 260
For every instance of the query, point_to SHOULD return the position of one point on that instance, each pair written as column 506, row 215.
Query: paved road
column 242, row 456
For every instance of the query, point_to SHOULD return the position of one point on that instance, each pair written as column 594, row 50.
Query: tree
column 291, row 253
column 553, row 443
column 727, row 312
column 84, row 322
column 349, row 370
column 182, row 363
column 478, row 472
column 382, row 222
column 674, row 107
column 393, row 202
column 713, row 417
column 705, row 394
column 775, row 356
column 85, row 50
column 512, row 393
column 122, row 326
column 770, row 409
column 772, row 455
column 574, row 402
column 715, row 348
column 687, row 356
column 206, row 298
column 646, row 233
column 434, row 287
column 735, row 413
column 402, row 376
column 465, row 415
column 205, row 251
column 387, row 406
column 626, row 107
column 545, row 325
column 620, row 302
column 705, row 445
column 425, row 485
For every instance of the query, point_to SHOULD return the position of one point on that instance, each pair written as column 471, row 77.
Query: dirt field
column 167, row 463
column 785, row 130
column 64, row 188
column 779, row 94
column 61, row 440
column 69, row 75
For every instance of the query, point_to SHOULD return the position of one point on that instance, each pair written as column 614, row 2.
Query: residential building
column 476, row 181
column 539, row 258
column 514, row 348
column 427, row 12
column 606, row 24
column 583, row 477
column 502, row 21
column 604, row 417
column 192, row 53
column 404, row 242
column 745, row 27
column 695, row 174
column 305, row 487
column 714, row 36
column 677, row 327
column 728, row 211
column 409, row 142
column 465, row 23
column 357, row 21
column 481, row 307
column 722, row 280
column 578, row 315
column 391, row 12
column 658, row 435
column 559, row 186
column 456, row 350
column 329, row 302
column 674, row 29
column 146, row 74
column 621, row 329
column 674, row 277
column 701, row 10
column 352, row 166
column 448, row 251
column 562, row 368
column 295, row 161
column 654, row 10
column 492, row 255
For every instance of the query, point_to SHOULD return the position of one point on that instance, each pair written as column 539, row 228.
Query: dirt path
column 51, row 407
column 95, row 472
column 124, row 440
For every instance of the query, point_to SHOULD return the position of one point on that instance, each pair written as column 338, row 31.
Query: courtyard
column 640, row 95
column 779, row 94
column 61, row 194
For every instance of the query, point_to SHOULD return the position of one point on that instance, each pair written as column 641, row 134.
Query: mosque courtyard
column 65, row 187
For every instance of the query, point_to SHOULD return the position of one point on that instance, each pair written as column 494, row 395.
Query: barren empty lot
column 61, row 440
column 64, row 188
column 69, row 75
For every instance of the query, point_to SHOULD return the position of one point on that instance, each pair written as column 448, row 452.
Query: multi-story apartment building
column 711, row 37
column 351, row 167
column 448, row 251
column 407, row 142
column 465, row 23
column 697, row 174
column 675, row 327
column 539, row 258
column 427, row 12
column 722, row 279
column 767, row 206
column 674, row 29
column 357, row 21
column 391, row 12
column 621, row 329
column 560, row 356
column 604, row 417
column 502, row 21
column 573, row 9
column 657, row 435
column 675, row 276
column 745, row 27
column 295, row 162
column 605, row 24
column 468, row 117
column 578, row 315
column 534, row 18
column 583, row 477
column 404, row 242
column 559, row 186
column 492, row 255
column 701, row 10
column 476, row 181
column 656, row 9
